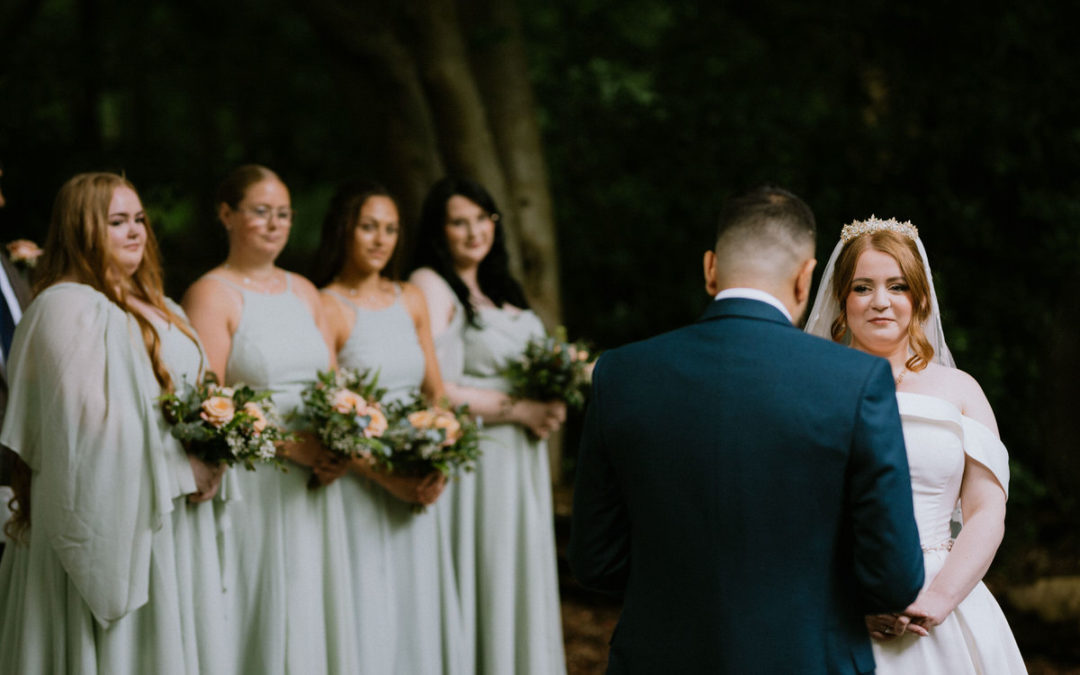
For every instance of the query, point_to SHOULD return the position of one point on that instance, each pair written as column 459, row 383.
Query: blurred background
column 610, row 133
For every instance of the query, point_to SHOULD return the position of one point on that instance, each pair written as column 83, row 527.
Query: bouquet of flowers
column 551, row 369
column 225, row 424
column 23, row 253
column 343, row 410
column 422, row 438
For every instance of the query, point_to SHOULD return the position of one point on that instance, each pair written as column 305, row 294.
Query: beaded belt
column 943, row 546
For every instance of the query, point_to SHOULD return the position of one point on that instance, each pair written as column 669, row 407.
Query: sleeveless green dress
column 500, row 518
column 408, row 614
column 288, row 573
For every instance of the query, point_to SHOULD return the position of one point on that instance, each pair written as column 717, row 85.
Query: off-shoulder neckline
column 949, row 404
column 946, row 401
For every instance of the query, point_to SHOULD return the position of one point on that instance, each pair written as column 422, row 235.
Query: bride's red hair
column 906, row 254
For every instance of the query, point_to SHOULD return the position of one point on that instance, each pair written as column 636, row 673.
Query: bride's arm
column 983, row 503
column 982, row 499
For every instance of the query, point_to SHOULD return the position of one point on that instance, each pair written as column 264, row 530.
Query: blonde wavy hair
column 906, row 254
column 77, row 247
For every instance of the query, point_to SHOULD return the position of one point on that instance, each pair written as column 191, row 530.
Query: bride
column 877, row 295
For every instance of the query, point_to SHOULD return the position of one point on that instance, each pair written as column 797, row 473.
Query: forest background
column 610, row 132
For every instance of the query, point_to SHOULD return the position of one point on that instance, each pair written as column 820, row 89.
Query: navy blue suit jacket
column 745, row 487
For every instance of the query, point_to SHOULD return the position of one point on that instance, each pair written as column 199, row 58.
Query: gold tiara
column 872, row 224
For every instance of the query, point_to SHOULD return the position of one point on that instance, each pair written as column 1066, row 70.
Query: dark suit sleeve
column 888, row 557
column 599, row 549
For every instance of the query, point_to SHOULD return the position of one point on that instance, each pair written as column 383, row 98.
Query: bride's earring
column 839, row 327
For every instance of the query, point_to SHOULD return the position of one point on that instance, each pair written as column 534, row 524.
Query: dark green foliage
column 962, row 117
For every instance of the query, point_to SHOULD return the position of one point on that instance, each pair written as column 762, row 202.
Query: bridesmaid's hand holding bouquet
column 227, row 425
column 427, row 444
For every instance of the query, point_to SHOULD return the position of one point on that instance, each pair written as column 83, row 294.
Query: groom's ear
column 712, row 284
column 803, row 280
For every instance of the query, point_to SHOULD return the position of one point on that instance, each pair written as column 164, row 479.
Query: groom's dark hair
column 765, row 221
column 767, row 207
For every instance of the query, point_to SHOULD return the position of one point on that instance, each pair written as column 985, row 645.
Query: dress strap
column 342, row 297
column 288, row 281
column 352, row 303
column 227, row 282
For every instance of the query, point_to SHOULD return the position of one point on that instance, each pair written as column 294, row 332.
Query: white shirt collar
column 13, row 307
column 754, row 294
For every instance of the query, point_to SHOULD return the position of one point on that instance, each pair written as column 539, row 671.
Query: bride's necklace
column 269, row 282
column 900, row 378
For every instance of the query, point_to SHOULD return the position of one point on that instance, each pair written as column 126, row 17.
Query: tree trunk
column 364, row 34
column 502, row 73
column 498, row 57
column 474, row 114
column 465, row 139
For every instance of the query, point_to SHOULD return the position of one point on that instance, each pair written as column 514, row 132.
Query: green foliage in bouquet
column 422, row 438
column 225, row 424
column 551, row 369
column 342, row 408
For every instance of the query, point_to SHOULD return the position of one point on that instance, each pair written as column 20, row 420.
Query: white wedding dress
column 975, row 638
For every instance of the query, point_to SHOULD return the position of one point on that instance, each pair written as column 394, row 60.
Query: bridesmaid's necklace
column 372, row 297
column 900, row 378
column 268, row 282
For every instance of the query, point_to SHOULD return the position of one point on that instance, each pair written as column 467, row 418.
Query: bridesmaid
column 408, row 618
column 500, row 518
column 113, row 570
column 287, row 562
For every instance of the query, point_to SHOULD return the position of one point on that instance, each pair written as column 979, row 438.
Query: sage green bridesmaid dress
column 288, row 571
column 117, row 574
column 500, row 517
column 406, row 599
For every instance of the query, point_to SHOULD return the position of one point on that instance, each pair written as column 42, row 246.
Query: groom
column 742, row 485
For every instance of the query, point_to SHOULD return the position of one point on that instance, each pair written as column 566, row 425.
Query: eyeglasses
column 265, row 213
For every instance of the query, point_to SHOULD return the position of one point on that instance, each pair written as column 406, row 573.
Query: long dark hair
column 432, row 250
column 341, row 218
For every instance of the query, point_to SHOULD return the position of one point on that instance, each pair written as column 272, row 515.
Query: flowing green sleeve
column 82, row 414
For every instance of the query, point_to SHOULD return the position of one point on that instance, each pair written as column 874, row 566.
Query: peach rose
column 377, row 426
column 422, row 419
column 446, row 421
column 345, row 402
column 257, row 413
column 218, row 410
column 24, row 251
column 438, row 419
